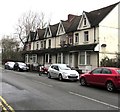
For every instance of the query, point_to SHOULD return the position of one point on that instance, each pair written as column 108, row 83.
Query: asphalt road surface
column 29, row 91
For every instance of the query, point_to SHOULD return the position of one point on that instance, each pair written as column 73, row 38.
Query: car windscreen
column 64, row 68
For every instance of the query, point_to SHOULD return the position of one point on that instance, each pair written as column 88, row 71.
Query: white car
column 9, row 65
column 62, row 71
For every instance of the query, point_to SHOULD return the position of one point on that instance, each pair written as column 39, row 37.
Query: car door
column 95, row 76
column 106, row 73
column 56, row 71
column 51, row 70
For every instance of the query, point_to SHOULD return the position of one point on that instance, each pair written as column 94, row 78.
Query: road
column 29, row 91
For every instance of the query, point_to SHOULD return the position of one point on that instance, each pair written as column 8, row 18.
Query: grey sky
column 11, row 10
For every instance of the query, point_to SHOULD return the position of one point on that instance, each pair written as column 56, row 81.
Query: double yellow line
column 5, row 106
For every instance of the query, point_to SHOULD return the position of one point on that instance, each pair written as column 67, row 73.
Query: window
column 56, row 67
column 106, row 71
column 70, row 40
column 26, row 58
column 41, row 44
column 82, row 58
column 64, row 58
column 46, row 58
column 50, row 58
column 84, row 20
column 59, row 58
column 76, row 37
column 37, row 45
column 88, row 59
column 49, row 43
column 86, row 36
column 97, row 71
column 45, row 44
column 34, row 58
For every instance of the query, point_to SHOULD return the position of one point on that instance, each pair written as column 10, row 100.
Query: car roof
column 59, row 64
column 113, row 68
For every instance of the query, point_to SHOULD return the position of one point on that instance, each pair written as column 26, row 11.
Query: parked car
column 108, row 77
column 9, row 65
column 62, row 71
column 20, row 66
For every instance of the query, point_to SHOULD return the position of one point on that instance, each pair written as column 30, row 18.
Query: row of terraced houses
column 80, row 41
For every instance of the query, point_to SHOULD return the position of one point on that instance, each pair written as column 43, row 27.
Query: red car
column 108, row 77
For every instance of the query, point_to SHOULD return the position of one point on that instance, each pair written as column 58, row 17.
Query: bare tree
column 29, row 21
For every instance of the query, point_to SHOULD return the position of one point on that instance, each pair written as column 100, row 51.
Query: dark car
column 20, row 66
column 9, row 65
column 108, row 77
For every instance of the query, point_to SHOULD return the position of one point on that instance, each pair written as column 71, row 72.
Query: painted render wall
column 93, row 33
column 108, row 34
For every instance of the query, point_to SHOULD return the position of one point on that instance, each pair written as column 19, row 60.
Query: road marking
column 5, row 104
column 113, row 106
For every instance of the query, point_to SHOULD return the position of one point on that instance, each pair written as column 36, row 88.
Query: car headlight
column 64, row 73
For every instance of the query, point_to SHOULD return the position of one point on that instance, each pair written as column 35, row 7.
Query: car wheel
column 83, row 82
column 49, row 76
column 60, row 77
column 110, row 86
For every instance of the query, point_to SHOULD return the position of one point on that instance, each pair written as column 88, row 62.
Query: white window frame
column 34, row 58
column 76, row 37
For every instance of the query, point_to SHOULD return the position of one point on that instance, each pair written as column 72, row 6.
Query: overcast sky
column 11, row 10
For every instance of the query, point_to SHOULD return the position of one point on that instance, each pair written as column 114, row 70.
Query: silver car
column 62, row 71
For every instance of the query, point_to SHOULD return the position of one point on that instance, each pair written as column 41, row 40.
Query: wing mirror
column 90, row 73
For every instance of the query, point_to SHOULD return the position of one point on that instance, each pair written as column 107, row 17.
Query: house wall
column 119, row 28
column 57, row 39
column 108, row 34
column 93, row 35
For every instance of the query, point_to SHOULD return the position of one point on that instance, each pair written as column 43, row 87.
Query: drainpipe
column 94, row 35
column 85, row 58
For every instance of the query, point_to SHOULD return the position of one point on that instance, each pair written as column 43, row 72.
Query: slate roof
column 31, row 36
column 41, row 33
column 96, row 16
column 74, row 25
column 54, row 29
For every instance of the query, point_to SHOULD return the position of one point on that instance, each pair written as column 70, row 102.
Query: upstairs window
column 84, row 21
column 70, row 40
column 49, row 45
column 76, row 37
column 86, row 36
column 45, row 44
column 37, row 45
column 41, row 44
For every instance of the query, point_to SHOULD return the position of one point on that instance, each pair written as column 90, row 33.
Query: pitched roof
column 41, row 33
column 96, row 16
column 31, row 36
column 54, row 29
column 74, row 25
